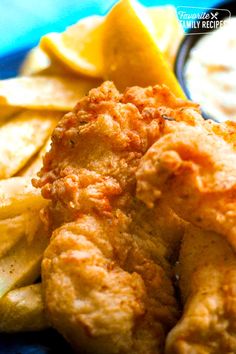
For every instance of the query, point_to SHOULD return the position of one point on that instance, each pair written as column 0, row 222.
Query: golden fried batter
column 207, row 271
column 107, row 273
column 192, row 167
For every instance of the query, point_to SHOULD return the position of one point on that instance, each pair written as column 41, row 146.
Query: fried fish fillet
column 192, row 166
column 107, row 273
column 207, row 271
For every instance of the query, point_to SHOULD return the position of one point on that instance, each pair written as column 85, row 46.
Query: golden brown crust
column 192, row 166
column 121, row 281
column 107, row 273
column 95, row 153
column 207, row 271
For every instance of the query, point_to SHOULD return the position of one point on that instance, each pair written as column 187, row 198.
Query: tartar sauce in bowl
column 210, row 72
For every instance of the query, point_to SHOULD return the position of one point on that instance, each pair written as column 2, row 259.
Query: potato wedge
column 34, row 167
column 17, row 195
column 22, row 137
column 23, row 310
column 59, row 93
column 21, row 266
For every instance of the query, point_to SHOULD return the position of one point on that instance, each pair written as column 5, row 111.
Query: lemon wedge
column 35, row 61
column 168, row 31
column 79, row 47
column 131, row 52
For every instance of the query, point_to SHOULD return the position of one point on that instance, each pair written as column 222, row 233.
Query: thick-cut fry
column 21, row 266
column 17, row 195
column 6, row 113
column 23, row 310
column 33, row 168
column 22, row 137
column 13, row 229
column 44, row 92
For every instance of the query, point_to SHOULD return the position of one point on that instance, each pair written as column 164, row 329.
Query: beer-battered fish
column 207, row 273
column 107, row 273
column 192, row 167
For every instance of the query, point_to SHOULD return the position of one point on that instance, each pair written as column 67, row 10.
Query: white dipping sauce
column 210, row 72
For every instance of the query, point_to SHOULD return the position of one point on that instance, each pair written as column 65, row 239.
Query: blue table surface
column 23, row 22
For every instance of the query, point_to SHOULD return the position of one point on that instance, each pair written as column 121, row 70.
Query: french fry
column 33, row 168
column 59, row 93
column 21, row 266
column 23, row 310
column 17, row 195
column 13, row 229
column 6, row 113
column 22, row 137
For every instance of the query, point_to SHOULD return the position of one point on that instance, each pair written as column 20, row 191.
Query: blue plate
column 45, row 342
column 10, row 64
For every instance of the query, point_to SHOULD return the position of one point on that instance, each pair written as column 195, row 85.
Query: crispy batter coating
column 207, row 271
column 107, row 273
column 192, row 166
